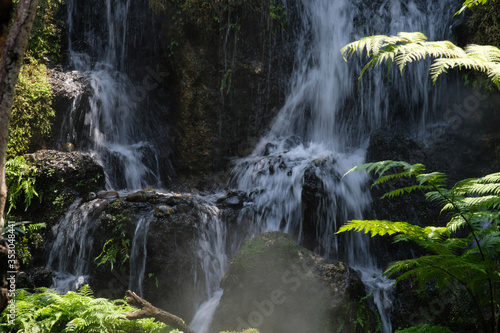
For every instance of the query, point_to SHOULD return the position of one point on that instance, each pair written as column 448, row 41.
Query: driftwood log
column 147, row 310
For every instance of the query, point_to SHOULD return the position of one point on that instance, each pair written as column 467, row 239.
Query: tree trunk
column 11, row 57
column 150, row 311
column 13, row 43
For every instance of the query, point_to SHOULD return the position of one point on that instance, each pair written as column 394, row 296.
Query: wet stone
column 107, row 195
column 136, row 197
column 183, row 208
column 163, row 210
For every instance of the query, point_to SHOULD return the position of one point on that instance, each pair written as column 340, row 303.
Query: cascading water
column 118, row 124
column 213, row 257
column 71, row 252
column 114, row 118
column 324, row 126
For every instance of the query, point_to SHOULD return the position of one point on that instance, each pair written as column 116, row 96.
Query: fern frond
column 370, row 45
column 490, row 242
column 491, row 178
column 400, row 191
column 479, row 189
column 439, row 197
column 86, row 291
column 380, row 168
column 487, row 52
column 483, row 202
column 384, row 227
column 441, row 268
column 413, row 51
column 433, row 178
column 410, row 47
column 470, row 3
column 441, row 65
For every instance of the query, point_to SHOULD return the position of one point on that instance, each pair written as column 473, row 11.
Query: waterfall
column 72, row 249
column 213, row 258
column 324, row 127
column 295, row 174
column 119, row 124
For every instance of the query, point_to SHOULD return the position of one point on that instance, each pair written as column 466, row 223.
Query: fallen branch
column 150, row 311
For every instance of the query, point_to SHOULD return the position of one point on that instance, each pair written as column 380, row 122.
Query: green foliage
column 363, row 315
column 20, row 179
column 50, row 311
column 407, row 47
column 279, row 15
column 28, row 238
column 32, row 106
column 31, row 110
column 117, row 247
column 471, row 206
column 425, row 328
column 470, row 3
column 45, row 40
column 111, row 250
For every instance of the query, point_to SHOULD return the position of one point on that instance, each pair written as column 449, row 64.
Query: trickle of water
column 213, row 260
column 71, row 252
column 138, row 255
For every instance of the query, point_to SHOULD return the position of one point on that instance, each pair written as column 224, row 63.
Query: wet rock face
column 71, row 102
column 61, row 178
column 277, row 286
column 172, row 274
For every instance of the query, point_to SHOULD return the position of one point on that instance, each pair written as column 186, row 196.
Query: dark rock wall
column 228, row 63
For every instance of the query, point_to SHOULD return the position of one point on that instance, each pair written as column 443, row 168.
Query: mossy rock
column 275, row 285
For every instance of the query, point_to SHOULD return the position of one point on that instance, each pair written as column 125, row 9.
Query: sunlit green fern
column 20, row 179
column 470, row 3
column 49, row 311
column 408, row 47
column 471, row 205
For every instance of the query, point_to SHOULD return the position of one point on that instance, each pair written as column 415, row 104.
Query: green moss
column 256, row 251
column 484, row 29
column 45, row 40
column 250, row 253
column 32, row 106
column 31, row 111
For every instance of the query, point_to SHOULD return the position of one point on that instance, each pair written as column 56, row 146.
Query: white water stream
column 114, row 126
column 324, row 127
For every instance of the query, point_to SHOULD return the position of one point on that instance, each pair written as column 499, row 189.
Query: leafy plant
column 278, row 14
column 116, row 247
column 110, row 251
column 20, row 179
column 472, row 207
column 367, row 319
column 407, row 47
column 50, row 311
column 45, row 40
column 27, row 236
column 470, row 3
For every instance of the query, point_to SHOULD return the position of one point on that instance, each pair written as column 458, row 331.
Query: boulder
column 61, row 178
column 275, row 285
